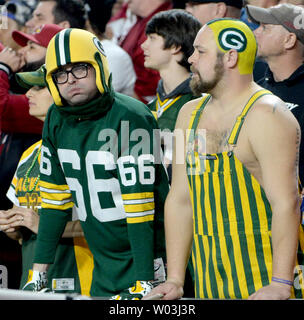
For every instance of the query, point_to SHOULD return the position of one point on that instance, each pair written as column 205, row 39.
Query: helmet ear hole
column 101, row 74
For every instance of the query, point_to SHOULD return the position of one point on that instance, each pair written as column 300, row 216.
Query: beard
column 199, row 85
column 33, row 66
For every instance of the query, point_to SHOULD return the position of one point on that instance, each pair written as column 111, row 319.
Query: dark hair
column 178, row 28
column 70, row 10
column 99, row 14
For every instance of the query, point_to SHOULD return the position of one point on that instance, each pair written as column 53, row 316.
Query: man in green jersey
column 170, row 35
column 99, row 154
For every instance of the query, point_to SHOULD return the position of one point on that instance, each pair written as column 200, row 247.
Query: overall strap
column 195, row 117
column 240, row 119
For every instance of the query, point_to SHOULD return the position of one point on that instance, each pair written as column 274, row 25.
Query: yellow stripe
column 265, row 233
column 219, row 281
column 48, row 185
column 14, row 182
column 199, row 268
column 137, row 196
column 226, row 265
column 207, row 273
column 260, row 204
column 248, row 226
column 165, row 101
column 85, row 264
column 200, row 228
column 154, row 114
column 193, row 114
column 208, row 214
column 30, row 275
column 129, row 208
column 237, row 252
column 55, row 196
column 140, row 219
column 65, row 206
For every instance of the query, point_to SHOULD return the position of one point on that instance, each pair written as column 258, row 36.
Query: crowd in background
column 121, row 26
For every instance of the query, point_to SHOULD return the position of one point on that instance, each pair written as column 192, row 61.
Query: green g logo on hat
column 233, row 34
column 232, row 38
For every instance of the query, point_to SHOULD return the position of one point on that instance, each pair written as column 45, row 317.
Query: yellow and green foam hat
column 32, row 78
column 235, row 34
column 71, row 46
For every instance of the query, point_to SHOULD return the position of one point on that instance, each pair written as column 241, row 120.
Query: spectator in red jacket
column 147, row 79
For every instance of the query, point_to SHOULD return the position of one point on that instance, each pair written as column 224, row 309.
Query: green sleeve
column 139, row 174
column 57, row 203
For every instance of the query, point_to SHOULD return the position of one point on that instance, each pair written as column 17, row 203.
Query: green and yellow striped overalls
column 232, row 251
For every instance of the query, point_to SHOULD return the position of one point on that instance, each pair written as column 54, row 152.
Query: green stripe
column 256, row 227
column 212, row 278
column 66, row 41
column 204, row 264
column 102, row 75
column 203, row 208
column 194, row 195
column 212, row 266
column 194, row 263
column 227, row 232
column 240, row 227
column 267, row 208
column 219, row 261
column 198, row 116
column 57, row 53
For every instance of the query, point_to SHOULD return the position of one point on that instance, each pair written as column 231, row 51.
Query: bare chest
column 216, row 134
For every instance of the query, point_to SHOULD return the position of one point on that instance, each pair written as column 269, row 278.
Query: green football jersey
column 167, row 106
column 109, row 167
column 24, row 192
column 167, row 109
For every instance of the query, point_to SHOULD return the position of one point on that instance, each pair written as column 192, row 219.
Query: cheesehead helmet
column 235, row 34
column 71, row 46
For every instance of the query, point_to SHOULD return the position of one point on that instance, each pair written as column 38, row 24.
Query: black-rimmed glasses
column 79, row 71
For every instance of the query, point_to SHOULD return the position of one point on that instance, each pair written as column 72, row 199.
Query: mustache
column 193, row 69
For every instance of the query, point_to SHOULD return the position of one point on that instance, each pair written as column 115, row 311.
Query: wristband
column 279, row 280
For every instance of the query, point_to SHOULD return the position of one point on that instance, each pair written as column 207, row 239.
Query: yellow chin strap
column 235, row 34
